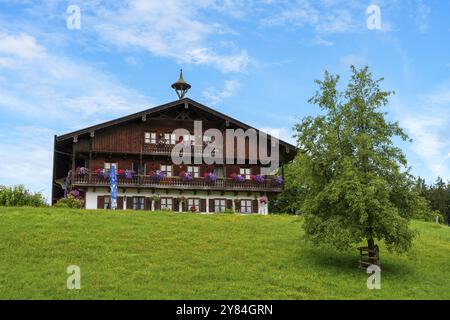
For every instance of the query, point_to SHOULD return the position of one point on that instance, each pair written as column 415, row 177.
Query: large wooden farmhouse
column 139, row 146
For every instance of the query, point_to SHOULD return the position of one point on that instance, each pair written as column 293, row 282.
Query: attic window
column 246, row 172
column 170, row 138
column 190, row 138
column 150, row 137
column 194, row 170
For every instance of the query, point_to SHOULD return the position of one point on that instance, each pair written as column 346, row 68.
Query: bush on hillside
column 70, row 202
column 19, row 196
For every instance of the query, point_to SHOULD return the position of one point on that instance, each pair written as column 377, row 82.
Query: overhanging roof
column 166, row 106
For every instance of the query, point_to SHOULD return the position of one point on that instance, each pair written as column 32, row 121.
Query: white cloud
column 173, row 29
column 215, row 96
column 50, row 87
column 428, row 126
column 326, row 17
column 27, row 158
column 21, row 46
column 49, row 90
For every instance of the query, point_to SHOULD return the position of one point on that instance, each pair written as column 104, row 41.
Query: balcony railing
column 146, row 181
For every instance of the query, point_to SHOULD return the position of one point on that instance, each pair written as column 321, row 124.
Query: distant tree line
column 438, row 196
column 19, row 196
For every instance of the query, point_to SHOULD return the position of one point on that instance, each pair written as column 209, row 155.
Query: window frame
column 247, row 206
column 167, row 171
column 150, row 137
column 108, row 165
column 216, row 207
column 138, row 204
column 195, row 170
column 164, row 203
column 246, row 173
column 193, row 202
column 107, row 202
column 190, row 138
column 170, row 138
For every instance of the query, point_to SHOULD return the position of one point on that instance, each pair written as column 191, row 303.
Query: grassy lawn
column 130, row 255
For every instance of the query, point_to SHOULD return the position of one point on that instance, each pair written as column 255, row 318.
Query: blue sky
column 254, row 60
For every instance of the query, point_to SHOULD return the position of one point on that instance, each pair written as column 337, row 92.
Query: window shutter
column 120, row 203
column 129, row 203
column 147, row 203
column 255, row 206
column 211, row 205
column 100, row 202
column 203, row 205
column 237, row 206
column 201, row 170
column 175, row 204
column 229, row 204
column 158, row 205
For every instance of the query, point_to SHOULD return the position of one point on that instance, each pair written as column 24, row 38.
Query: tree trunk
column 373, row 252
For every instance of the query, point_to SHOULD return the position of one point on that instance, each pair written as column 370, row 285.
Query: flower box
column 210, row 177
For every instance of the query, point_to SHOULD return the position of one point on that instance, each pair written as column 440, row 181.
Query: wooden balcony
column 145, row 181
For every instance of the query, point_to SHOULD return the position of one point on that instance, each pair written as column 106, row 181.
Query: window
column 107, row 203
column 167, row 169
column 219, row 205
column 150, row 137
column 109, row 165
column 246, row 206
column 246, row 172
column 166, row 203
column 193, row 203
column 190, row 138
column 170, row 138
column 194, row 170
column 138, row 203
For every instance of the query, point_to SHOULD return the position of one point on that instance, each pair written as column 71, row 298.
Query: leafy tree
column 293, row 196
column 357, row 185
column 19, row 196
column 438, row 195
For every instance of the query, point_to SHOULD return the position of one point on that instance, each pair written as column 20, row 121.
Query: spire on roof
column 181, row 87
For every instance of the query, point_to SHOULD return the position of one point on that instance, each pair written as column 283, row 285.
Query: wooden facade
column 142, row 143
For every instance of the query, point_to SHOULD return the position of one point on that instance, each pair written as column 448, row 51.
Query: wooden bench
column 368, row 257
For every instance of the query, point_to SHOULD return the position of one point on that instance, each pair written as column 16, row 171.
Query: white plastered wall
column 91, row 197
